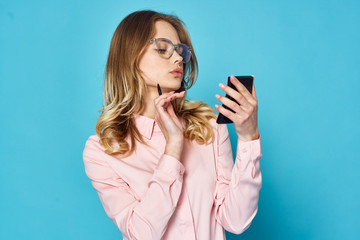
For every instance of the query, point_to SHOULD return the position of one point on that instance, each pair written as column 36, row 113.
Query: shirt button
column 181, row 173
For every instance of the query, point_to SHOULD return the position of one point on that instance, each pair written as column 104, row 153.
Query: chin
column 171, row 87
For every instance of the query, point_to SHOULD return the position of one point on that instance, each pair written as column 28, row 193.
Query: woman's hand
column 169, row 123
column 245, row 107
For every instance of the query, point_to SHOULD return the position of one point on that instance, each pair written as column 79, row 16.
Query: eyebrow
column 169, row 40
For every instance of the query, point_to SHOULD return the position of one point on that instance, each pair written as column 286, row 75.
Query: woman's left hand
column 245, row 107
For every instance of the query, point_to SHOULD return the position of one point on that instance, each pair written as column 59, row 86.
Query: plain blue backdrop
column 305, row 58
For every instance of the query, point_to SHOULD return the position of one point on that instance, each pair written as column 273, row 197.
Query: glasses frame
column 173, row 47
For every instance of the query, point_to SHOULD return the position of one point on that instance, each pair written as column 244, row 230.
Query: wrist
column 174, row 149
column 246, row 138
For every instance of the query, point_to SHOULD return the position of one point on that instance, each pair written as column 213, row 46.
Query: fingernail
column 216, row 106
column 222, row 86
column 233, row 78
column 217, row 96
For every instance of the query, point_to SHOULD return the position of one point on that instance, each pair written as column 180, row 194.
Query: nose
column 176, row 57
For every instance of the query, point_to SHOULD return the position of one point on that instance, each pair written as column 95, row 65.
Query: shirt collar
column 146, row 126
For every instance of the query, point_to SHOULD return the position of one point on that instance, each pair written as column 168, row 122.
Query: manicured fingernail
column 217, row 96
column 217, row 106
column 233, row 79
column 222, row 86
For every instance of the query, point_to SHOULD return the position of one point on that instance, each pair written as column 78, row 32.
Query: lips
column 177, row 72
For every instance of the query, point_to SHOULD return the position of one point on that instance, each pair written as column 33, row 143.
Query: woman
column 162, row 167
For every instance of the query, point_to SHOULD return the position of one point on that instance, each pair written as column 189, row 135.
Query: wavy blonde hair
column 124, row 88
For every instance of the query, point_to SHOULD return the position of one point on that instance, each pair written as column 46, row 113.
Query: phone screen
column 247, row 81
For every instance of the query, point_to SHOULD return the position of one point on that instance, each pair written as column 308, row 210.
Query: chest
column 199, row 162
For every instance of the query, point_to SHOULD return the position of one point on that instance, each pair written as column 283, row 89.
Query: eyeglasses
column 166, row 49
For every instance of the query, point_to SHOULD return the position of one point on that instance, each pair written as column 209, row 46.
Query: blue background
column 305, row 58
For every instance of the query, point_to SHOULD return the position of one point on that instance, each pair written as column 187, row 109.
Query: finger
column 160, row 98
column 174, row 117
column 163, row 100
column 237, row 96
column 163, row 119
column 167, row 124
column 171, row 108
column 230, row 104
column 161, row 105
column 165, row 109
column 227, row 113
column 177, row 95
column 163, row 96
column 242, row 89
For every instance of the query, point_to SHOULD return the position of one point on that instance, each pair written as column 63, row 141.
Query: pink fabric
column 150, row 195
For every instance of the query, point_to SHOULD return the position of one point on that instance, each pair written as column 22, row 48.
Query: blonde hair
column 124, row 87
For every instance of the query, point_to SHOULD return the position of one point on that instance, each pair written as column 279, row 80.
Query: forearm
column 150, row 217
column 238, row 200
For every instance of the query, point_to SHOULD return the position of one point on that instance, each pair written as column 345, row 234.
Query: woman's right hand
column 169, row 123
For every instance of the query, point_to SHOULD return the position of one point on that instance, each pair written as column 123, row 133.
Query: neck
column 151, row 94
column 149, row 109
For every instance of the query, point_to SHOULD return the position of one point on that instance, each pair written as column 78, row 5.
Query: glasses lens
column 164, row 48
column 184, row 52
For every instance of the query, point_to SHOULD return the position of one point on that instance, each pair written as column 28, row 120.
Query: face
column 157, row 69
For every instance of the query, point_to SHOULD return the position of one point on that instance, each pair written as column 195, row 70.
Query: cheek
column 152, row 69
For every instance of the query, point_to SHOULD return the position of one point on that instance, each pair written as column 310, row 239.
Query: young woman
column 161, row 165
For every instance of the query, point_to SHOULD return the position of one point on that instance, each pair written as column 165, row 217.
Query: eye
column 163, row 52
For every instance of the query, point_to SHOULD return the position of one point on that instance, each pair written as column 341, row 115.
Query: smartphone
column 248, row 82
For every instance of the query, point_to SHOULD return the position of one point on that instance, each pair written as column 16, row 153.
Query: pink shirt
column 151, row 195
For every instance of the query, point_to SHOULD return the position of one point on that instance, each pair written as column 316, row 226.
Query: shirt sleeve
column 145, row 218
column 237, row 185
